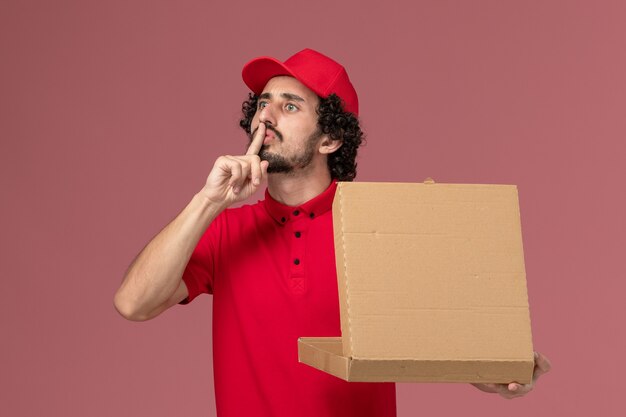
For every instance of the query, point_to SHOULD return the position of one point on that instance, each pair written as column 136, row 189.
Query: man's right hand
column 153, row 282
column 235, row 178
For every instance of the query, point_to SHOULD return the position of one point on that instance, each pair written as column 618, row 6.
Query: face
column 288, row 109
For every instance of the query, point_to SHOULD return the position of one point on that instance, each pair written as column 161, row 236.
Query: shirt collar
column 312, row 208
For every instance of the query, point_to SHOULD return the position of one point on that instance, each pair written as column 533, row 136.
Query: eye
column 262, row 104
column 291, row 107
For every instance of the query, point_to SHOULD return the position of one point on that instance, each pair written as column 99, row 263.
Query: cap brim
column 259, row 71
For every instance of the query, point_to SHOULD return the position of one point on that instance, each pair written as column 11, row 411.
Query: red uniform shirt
column 271, row 270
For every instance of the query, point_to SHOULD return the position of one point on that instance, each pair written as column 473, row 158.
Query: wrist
column 208, row 204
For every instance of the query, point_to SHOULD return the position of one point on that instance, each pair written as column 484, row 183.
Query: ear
column 328, row 145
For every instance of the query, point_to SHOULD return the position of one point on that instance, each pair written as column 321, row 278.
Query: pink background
column 112, row 114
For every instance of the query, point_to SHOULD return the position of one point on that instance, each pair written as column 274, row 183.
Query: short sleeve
column 199, row 272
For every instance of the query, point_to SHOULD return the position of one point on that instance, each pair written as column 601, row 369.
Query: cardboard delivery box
column 432, row 286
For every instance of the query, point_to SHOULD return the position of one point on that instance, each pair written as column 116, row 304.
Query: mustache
column 269, row 127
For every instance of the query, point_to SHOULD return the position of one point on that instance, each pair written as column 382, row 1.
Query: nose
column 266, row 115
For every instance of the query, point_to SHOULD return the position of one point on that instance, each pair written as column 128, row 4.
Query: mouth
column 271, row 133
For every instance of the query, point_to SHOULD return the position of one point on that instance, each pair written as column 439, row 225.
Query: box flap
column 431, row 272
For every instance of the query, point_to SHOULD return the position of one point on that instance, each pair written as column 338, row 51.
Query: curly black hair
column 333, row 121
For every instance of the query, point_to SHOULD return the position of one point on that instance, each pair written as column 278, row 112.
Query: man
column 270, row 266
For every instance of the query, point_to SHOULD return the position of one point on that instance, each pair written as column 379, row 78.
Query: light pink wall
column 112, row 114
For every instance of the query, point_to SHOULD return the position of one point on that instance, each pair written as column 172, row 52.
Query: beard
column 289, row 164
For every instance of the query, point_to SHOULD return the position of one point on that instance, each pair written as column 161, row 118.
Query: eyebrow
column 288, row 96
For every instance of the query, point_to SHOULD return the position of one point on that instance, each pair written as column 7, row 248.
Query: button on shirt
column 271, row 270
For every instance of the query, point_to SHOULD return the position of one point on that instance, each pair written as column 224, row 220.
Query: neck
column 293, row 190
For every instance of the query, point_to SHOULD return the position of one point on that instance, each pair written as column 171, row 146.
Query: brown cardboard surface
column 432, row 285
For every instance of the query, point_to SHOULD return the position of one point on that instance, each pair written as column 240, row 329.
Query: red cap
column 318, row 72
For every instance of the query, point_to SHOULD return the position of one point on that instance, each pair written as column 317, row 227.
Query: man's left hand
column 514, row 390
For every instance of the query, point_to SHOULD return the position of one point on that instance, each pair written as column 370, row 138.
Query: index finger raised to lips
column 257, row 140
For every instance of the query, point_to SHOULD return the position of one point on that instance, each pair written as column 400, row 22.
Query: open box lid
column 432, row 285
